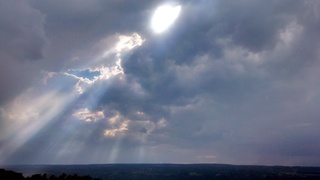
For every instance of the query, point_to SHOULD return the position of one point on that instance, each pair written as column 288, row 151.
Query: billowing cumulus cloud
column 229, row 82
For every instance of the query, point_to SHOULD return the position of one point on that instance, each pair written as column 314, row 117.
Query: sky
column 90, row 82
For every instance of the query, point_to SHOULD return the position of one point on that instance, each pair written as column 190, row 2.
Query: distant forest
column 157, row 171
column 5, row 174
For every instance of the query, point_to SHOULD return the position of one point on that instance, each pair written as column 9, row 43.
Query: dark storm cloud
column 22, row 35
column 230, row 82
column 22, row 40
column 249, row 99
column 77, row 26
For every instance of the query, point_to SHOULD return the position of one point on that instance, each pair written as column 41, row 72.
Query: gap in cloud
column 163, row 17
column 84, row 73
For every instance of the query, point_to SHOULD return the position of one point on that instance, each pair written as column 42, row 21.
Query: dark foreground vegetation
column 157, row 171
column 8, row 175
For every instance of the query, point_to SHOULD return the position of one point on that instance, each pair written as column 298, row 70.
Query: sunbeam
column 35, row 113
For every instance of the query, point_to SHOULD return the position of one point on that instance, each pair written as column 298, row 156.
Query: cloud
column 22, row 33
column 23, row 39
column 230, row 82
column 246, row 86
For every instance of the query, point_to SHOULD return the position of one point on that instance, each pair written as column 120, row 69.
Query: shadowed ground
column 160, row 171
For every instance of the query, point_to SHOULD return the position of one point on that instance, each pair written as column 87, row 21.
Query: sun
column 164, row 17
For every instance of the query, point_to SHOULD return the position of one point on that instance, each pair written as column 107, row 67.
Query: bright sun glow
column 163, row 17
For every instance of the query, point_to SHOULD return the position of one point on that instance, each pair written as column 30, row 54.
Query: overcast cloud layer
column 233, row 81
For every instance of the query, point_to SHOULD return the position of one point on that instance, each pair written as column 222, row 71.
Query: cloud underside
column 230, row 82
